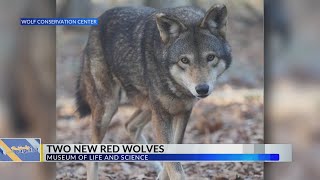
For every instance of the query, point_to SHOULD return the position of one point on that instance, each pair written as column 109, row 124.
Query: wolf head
column 197, row 52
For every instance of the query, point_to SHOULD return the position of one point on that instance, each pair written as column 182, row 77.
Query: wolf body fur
column 160, row 60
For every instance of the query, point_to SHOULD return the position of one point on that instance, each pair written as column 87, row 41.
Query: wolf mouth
column 203, row 96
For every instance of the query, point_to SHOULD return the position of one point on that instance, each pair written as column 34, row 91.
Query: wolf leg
column 179, row 125
column 163, row 124
column 135, row 125
column 100, row 122
column 102, row 91
column 101, row 118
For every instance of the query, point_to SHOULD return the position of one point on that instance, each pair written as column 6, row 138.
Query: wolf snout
column 202, row 90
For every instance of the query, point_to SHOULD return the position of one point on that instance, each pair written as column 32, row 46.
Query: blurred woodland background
column 232, row 114
column 292, row 96
column 36, row 61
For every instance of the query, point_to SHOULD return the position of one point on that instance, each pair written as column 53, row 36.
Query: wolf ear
column 216, row 19
column 169, row 27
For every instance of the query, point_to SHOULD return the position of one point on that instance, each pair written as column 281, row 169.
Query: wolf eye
column 185, row 60
column 213, row 60
column 210, row 57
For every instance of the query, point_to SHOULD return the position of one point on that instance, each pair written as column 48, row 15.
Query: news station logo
column 19, row 149
column 23, row 149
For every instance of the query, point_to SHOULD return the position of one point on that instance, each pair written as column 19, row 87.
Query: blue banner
column 164, row 157
column 59, row 21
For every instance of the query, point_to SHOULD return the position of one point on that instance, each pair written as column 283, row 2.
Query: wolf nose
column 202, row 89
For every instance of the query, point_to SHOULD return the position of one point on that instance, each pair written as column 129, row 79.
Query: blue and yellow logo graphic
column 20, row 149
